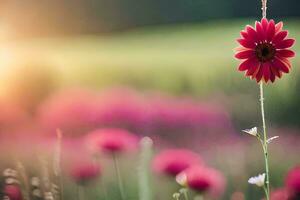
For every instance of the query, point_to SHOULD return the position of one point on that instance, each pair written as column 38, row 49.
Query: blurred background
column 158, row 68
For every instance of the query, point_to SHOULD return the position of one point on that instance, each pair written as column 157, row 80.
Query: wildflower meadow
column 149, row 100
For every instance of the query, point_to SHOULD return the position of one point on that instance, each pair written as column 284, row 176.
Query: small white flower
column 252, row 131
column 258, row 180
column 181, row 179
column 271, row 139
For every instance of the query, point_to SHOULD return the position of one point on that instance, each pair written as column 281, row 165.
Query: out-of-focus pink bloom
column 74, row 112
column 203, row 180
column 185, row 114
column 173, row 161
column 111, row 140
column 292, row 181
column 280, row 194
column 11, row 115
column 85, row 172
column 122, row 108
column 13, row 192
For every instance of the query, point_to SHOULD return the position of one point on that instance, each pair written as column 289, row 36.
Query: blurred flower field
column 121, row 116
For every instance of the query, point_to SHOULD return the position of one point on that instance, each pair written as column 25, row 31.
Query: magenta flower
column 203, row 180
column 173, row 161
column 72, row 111
column 85, row 172
column 13, row 192
column 112, row 140
column 292, row 181
column 264, row 51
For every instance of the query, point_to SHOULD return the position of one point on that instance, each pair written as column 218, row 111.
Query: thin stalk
column 104, row 190
column 184, row 191
column 119, row 177
column 265, row 144
column 80, row 192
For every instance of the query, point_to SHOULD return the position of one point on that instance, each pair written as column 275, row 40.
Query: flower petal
column 252, row 70
column 271, row 30
column 285, row 53
column 260, row 31
column 275, row 71
column 285, row 44
column 244, row 54
column 246, row 43
column 281, row 65
column 264, row 24
column 278, row 27
column 251, row 33
column 258, row 76
column 244, row 34
column 266, row 71
column 279, row 37
column 248, row 63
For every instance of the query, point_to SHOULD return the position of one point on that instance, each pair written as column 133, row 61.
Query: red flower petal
column 279, row 37
column 260, row 31
column 264, row 24
column 285, row 61
column 251, row 33
column 285, row 53
column 252, row 70
column 258, row 76
column 244, row 54
column 285, row 44
column 281, row 65
column 266, row 71
column 272, row 76
column 278, row 27
column 275, row 71
column 271, row 30
column 246, row 43
column 248, row 63
column 244, row 34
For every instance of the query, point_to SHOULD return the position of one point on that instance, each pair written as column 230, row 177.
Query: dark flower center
column 265, row 52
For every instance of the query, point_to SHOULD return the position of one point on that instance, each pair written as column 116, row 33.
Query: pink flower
column 292, row 181
column 112, row 140
column 264, row 51
column 203, row 180
column 85, row 172
column 13, row 192
column 72, row 111
column 173, row 161
column 280, row 194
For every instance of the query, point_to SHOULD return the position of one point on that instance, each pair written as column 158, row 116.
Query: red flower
column 203, row 180
column 292, row 181
column 174, row 161
column 112, row 140
column 13, row 192
column 264, row 51
column 85, row 172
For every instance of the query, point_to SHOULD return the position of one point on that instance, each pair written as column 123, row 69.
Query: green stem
column 119, row 177
column 104, row 190
column 184, row 191
column 80, row 194
column 265, row 144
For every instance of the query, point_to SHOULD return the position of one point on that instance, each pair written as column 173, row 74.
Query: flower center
column 265, row 52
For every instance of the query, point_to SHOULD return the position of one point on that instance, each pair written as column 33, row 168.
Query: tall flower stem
column 265, row 143
column 184, row 191
column 119, row 177
column 80, row 192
